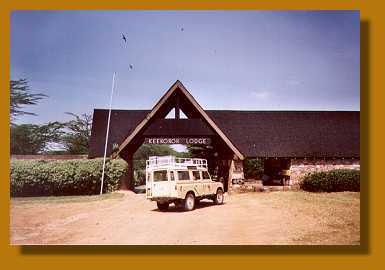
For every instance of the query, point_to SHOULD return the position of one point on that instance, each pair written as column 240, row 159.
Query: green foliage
column 201, row 151
column 71, row 177
column 72, row 136
column 29, row 139
column 21, row 96
column 332, row 181
column 253, row 168
column 147, row 150
column 142, row 154
column 77, row 134
column 204, row 151
column 139, row 172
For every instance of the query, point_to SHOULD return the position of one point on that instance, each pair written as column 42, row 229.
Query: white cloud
column 260, row 94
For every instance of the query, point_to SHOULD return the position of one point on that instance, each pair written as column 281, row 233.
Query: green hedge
column 332, row 181
column 70, row 177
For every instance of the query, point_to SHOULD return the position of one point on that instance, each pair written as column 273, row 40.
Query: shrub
column 70, row 177
column 253, row 168
column 139, row 166
column 332, row 181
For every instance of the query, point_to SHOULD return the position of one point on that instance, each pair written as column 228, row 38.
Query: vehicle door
column 172, row 181
column 207, row 183
column 198, row 185
column 148, row 185
column 184, row 182
column 160, row 184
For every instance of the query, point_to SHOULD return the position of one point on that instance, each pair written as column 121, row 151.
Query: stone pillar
column 235, row 172
column 127, row 181
column 230, row 178
column 223, row 172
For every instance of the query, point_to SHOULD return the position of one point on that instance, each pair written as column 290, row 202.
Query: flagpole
column 107, row 133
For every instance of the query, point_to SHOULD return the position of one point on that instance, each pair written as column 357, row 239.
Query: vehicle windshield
column 205, row 175
column 196, row 175
column 160, row 176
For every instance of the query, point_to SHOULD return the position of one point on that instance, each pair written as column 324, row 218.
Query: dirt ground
column 268, row 218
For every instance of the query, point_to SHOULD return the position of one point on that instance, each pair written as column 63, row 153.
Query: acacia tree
column 73, row 135
column 21, row 96
column 30, row 139
column 204, row 151
column 77, row 133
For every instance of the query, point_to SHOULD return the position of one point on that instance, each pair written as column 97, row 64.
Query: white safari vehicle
column 182, row 181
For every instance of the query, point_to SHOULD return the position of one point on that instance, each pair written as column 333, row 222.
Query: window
column 183, row 175
column 205, row 175
column 172, row 178
column 196, row 175
column 160, row 176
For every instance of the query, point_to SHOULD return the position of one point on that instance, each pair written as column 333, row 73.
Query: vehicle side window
column 205, row 175
column 160, row 176
column 172, row 178
column 183, row 175
column 196, row 175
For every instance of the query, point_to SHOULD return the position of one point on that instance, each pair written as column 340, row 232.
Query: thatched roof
column 255, row 133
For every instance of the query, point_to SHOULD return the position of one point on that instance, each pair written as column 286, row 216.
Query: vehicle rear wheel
column 219, row 198
column 189, row 202
column 162, row 206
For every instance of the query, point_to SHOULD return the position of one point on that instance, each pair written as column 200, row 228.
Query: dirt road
column 253, row 218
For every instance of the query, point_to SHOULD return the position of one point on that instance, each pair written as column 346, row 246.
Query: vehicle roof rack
column 166, row 162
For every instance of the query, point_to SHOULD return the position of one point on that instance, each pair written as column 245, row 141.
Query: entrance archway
column 197, row 128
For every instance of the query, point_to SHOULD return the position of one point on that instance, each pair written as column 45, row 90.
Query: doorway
column 276, row 172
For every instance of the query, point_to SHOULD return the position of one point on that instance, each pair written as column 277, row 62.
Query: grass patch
column 66, row 199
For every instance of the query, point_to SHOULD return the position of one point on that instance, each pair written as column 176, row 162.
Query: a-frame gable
column 158, row 105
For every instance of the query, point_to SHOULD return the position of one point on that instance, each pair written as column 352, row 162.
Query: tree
column 29, row 139
column 21, row 96
column 73, row 136
column 147, row 150
column 253, row 168
column 204, row 151
column 143, row 153
column 77, row 133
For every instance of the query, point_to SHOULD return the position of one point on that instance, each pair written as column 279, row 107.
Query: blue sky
column 238, row 60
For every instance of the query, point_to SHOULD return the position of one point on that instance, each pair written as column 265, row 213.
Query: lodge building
column 297, row 141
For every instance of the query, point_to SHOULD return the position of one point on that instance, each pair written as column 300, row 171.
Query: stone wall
column 300, row 167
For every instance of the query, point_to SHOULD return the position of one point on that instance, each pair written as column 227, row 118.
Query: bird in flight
column 124, row 38
column 131, row 66
column 182, row 29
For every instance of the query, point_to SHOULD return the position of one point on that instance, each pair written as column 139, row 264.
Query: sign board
column 194, row 140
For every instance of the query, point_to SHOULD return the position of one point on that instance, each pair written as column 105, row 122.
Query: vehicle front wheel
column 189, row 202
column 162, row 206
column 219, row 197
